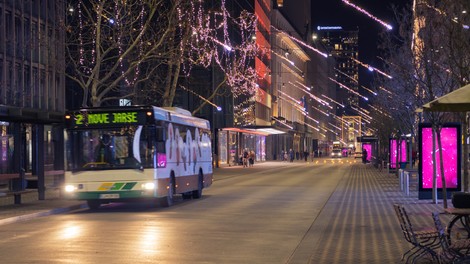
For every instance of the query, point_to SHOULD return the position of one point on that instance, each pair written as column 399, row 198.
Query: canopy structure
column 456, row 101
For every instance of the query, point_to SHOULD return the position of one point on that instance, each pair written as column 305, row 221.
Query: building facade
column 290, row 90
column 31, row 90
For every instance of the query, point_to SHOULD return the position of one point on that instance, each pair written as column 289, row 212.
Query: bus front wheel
column 93, row 204
column 169, row 199
column 198, row 192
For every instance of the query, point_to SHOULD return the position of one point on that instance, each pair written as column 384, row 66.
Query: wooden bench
column 9, row 176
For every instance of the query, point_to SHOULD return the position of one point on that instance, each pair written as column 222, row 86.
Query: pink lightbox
column 368, row 148
column 449, row 155
column 394, row 150
column 451, row 149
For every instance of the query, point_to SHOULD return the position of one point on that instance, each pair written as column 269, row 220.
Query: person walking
column 291, row 155
column 245, row 158
column 251, row 158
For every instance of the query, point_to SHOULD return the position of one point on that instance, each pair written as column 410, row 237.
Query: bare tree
column 139, row 49
column 420, row 58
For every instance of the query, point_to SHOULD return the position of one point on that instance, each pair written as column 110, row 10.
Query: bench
column 9, row 176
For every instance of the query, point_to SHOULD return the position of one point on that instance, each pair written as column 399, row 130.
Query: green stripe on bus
column 129, row 185
column 117, row 186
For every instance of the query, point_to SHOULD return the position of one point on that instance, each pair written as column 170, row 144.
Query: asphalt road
column 249, row 215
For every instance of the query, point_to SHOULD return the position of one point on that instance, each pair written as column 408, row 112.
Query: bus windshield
column 113, row 148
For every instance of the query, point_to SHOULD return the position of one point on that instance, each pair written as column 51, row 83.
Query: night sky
column 337, row 13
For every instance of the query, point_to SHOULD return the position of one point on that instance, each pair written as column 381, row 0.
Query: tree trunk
column 441, row 165
column 434, row 167
column 397, row 157
column 465, row 151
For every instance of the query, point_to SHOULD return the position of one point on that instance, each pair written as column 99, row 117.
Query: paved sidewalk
column 357, row 225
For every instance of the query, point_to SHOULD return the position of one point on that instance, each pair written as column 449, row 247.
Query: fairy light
column 343, row 106
column 286, row 59
column 80, row 36
column 334, row 126
column 360, row 9
column 371, row 68
column 210, row 31
column 321, row 111
column 304, row 88
column 356, row 81
column 365, row 116
column 296, row 105
column 282, row 123
column 386, row 90
column 329, row 129
column 442, row 13
column 307, row 90
column 301, row 42
column 307, row 124
column 376, row 109
column 349, row 89
column 201, row 32
column 201, row 97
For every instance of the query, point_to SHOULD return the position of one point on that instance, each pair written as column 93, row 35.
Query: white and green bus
column 137, row 152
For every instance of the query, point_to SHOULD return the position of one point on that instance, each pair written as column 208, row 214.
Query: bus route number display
column 117, row 118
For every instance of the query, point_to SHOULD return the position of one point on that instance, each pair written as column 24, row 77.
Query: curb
column 27, row 217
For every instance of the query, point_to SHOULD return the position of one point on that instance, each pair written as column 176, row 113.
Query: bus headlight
column 148, row 186
column 69, row 188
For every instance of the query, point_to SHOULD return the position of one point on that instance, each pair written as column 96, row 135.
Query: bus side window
column 147, row 146
column 161, row 147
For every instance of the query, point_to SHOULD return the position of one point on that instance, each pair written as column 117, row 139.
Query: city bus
column 134, row 153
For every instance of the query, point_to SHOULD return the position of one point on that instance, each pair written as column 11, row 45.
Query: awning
column 456, row 101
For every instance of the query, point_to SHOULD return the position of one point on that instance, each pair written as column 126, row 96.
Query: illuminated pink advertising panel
column 451, row 148
column 394, row 150
column 368, row 148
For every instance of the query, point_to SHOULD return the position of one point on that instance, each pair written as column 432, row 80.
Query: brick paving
column 359, row 225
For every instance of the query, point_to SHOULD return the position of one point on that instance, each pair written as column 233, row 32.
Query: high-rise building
column 32, row 78
column 344, row 47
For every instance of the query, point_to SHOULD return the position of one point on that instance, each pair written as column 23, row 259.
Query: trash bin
column 403, row 165
column 461, row 199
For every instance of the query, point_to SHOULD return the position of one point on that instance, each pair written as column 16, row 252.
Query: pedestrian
column 291, row 155
column 251, row 158
column 364, row 156
column 245, row 158
column 305, row 155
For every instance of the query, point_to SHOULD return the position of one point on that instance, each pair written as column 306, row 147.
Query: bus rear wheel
column 93, row 204
column 198, row 192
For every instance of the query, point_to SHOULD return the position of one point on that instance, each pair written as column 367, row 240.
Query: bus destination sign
column 108, row 118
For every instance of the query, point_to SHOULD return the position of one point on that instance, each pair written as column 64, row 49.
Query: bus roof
column 179, row 116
